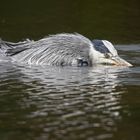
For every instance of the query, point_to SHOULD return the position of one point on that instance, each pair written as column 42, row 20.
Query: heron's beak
column 120, row 62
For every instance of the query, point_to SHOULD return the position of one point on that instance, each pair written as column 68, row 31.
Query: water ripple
column 64, row 102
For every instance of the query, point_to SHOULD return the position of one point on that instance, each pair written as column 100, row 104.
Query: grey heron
column 65, row 49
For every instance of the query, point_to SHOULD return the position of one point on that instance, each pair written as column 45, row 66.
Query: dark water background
column 100, row 103
column 115, row 20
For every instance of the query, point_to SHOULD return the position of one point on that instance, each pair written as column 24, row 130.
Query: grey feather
column 59, row 49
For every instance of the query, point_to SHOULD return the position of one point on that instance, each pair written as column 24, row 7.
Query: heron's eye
column 107, row 55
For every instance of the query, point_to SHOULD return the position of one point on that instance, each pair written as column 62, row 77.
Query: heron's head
column 105, row 53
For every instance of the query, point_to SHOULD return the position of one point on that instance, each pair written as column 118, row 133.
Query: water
column 56, row 103
column 43, row 102
column 117, row 21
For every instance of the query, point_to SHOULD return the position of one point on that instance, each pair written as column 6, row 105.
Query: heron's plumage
column 60, row 49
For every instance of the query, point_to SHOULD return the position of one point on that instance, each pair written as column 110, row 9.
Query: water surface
column 94, row 103
column 114, row 20
column 56, row 103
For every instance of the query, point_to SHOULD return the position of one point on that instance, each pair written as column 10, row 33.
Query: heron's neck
column 93, row 55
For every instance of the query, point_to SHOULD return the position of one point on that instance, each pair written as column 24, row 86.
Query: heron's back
column 60, row 49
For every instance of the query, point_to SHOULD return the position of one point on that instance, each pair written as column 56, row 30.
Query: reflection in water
column 43, row 102
column 66, row 102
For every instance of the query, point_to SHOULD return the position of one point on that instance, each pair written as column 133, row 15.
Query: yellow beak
column 120, row 62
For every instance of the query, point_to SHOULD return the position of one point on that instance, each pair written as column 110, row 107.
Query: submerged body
column 63, row 50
